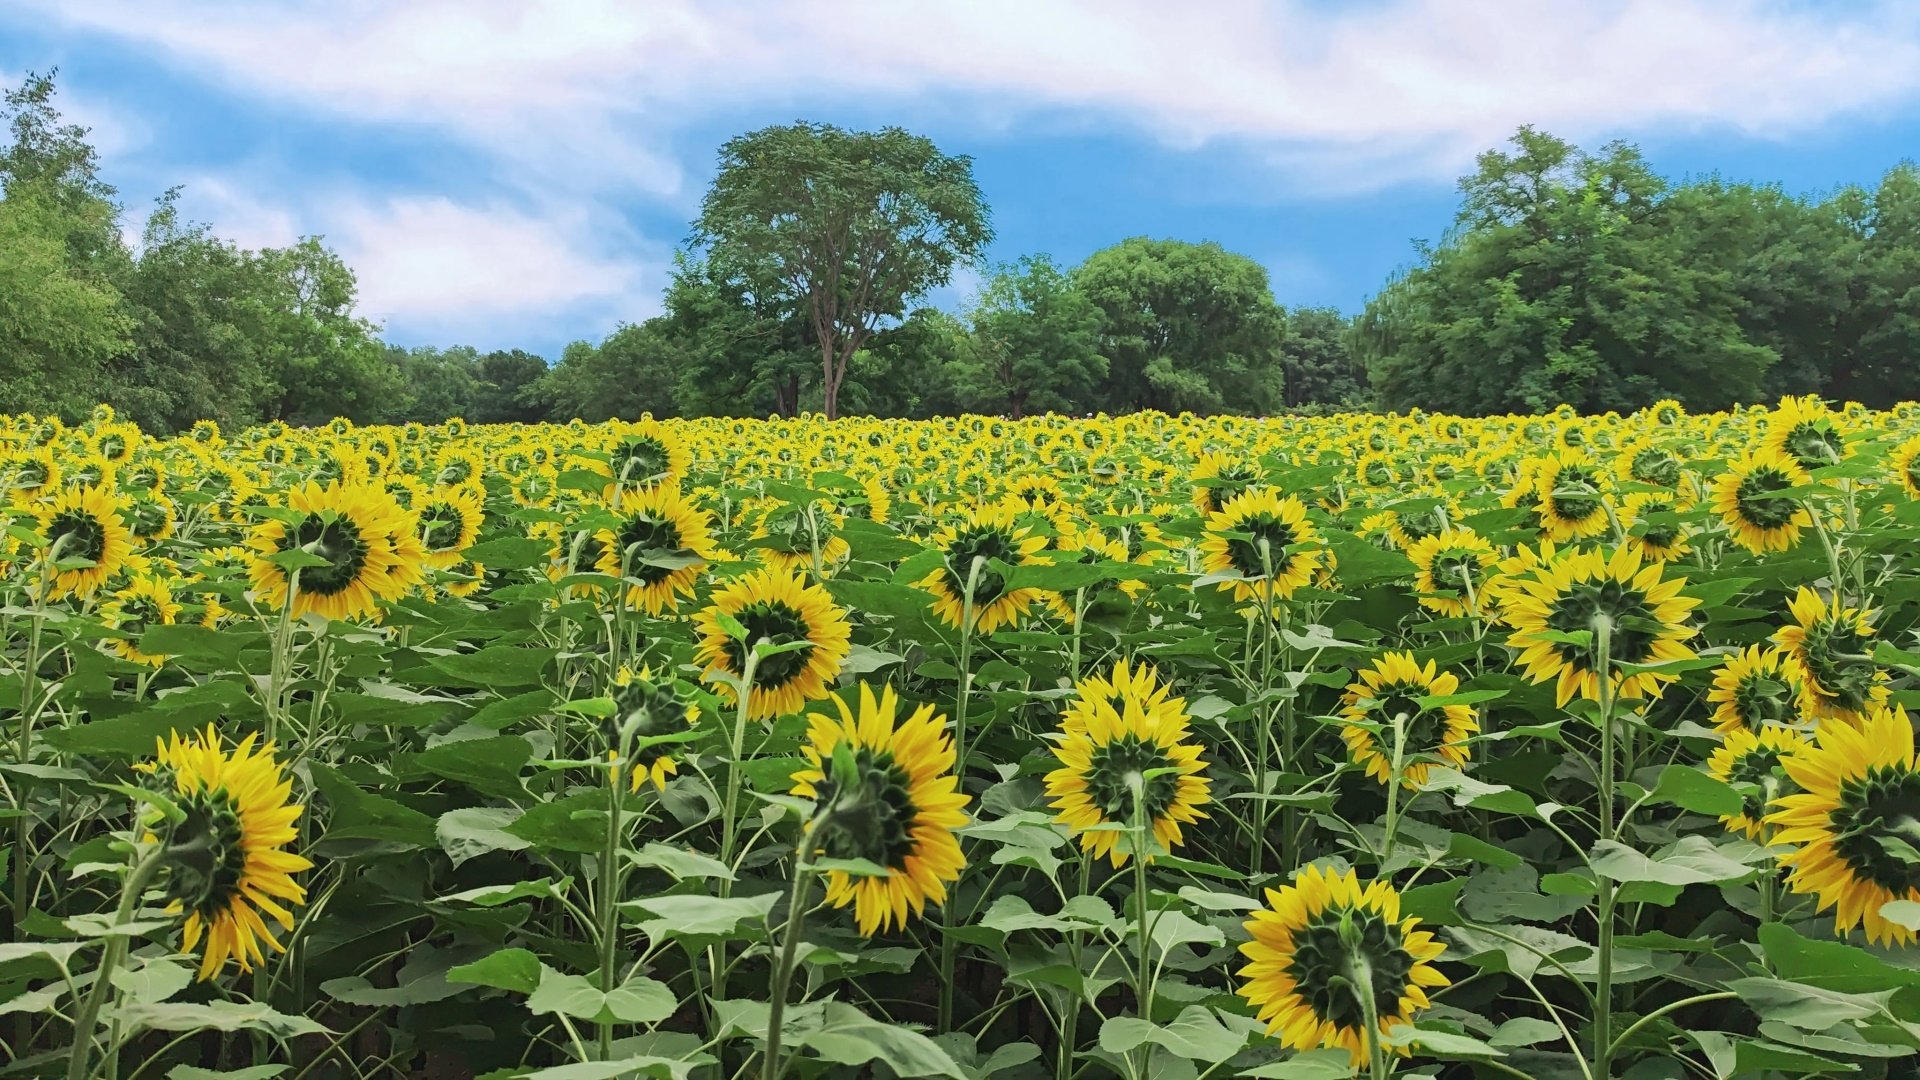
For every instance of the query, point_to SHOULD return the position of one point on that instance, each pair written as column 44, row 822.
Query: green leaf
column 638, row 1001
column 576, row 823
column 1436, row 1042
column 700, row 916
column 490, row 765
column 509, row 553
column 1693, row 860
column 252, row 1072
column 1691, row 789
column 1831, row 965
column 1312, row 1065
column 215, row 1016
column 1813, row 1008
column 496, row 895
column 1196, row 1034
column 1479, row 795
column 493, row 666
column 508, row 969
column 1902, row 913
column 847, row 1037
column 1523, row 1031
column 682, row 864
column 363, row 815
column 475, row 830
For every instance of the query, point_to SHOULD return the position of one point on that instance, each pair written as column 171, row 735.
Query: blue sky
column 518, row 174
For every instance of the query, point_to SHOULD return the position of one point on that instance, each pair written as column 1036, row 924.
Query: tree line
column 1565, row 277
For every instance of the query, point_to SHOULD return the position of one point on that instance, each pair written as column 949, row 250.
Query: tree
column 916, row 369
column 326, row 360
column 633, row 371
column 1036, row 342
column 1569, row 278
column 58, row 323
column 503, row 380
column 1185, row 326
column 845, row 226
column 743, row 351
column 1319, row 369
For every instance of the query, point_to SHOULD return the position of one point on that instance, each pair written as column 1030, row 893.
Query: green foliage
column 1185, row 326
column 1036, row 343
column 845, row 226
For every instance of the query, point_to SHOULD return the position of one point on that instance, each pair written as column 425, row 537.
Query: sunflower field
column 1151, row 746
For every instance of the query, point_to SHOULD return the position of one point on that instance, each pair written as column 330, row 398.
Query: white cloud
column 576, row 103
column 592, row 87
column 434, row 266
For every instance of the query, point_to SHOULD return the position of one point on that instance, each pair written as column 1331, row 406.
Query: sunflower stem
column 607, row 895
column 949, row 945
column 789, row 945
column 1393, row 787
column 1070, row 1027
column 116, row 952
column 23, row 825
column 729, row 809
column 1603, row 976
column 1142, row 848
column 1360, row 981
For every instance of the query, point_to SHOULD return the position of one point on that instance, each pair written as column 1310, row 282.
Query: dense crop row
column 1156, row 746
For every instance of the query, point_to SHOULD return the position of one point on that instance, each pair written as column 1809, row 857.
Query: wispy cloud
column 578, row 102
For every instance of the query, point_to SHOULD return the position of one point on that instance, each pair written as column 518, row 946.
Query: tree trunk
column 829, row 385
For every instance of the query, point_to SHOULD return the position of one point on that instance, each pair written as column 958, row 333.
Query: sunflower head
column 1755, row 757
column 1757, row 689
column 1452, row 567
column 1751, row 499
column 1124, row 760
column 1570, row 495
column 966, row 580
column 349, row 533
column 1323, row 949
column 1805, row 430
column 644, row 710
column 1589, row 592
column 84, row 529
column 1265, row 543
column 808, row 632
column 1830, row 645
column 1853, row 829
column 225, row 854
column 1387, row 694
column 887, row 794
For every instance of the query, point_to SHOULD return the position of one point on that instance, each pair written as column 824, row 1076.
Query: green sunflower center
column 979, row 543
column 455, row 472
column 1425, row 728
column 1877, row 827
column 1756, row 766
column 1379, row 473
column 1421, row 524
column 1112, row 764
column 643, row 535
column 776, row 624
column 205, row 855
column 877, row 823
column 32, row 474
column 646, row 711
column 1757, row 504
column 1574, row 496
column 1321, row 968
column 1850, row 682
column 1651, row 466
column 1245, row 553
column 336, row 540
column 1454, row 567
column 1659, row 535
column 1814, row 444
column 796, row 532
column 640, row 462
column 440, row 526
column 139, row 611
column 1762, row 701
column 1635, row 628
column 1229, row 483
column 85, row 535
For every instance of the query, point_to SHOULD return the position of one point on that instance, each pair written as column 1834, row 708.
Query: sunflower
column 29, row 474
column 779, row 608
column 226, row 858
column 1828, row 645
column 645, row 455
column 1747, row 499
column 1112, row 733
column 84, row 523
column 663, row 543
column 1579, row 590
column 792, row 535
column 1388, row 692
column 1451, row 567
column 1218, row 479
column 1253, row 523
column 1657, row 540
column 1757, row 689
column 1570, row 495
column 1748, row 757
column 1804, row 430
column 1905, row 463
column 450, row 520
column 144, row 602
column 1856, row 845
column 645, row 710
column 351, row 527
column 149, row 518
column 1318, row 940
column 898, row 811
column 986, row 533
